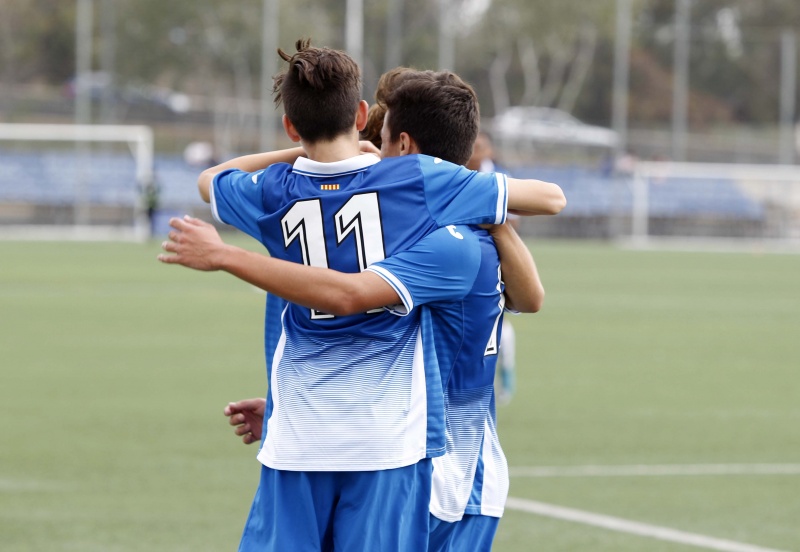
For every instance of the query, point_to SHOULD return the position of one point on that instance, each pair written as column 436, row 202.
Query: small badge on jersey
column 328, row 186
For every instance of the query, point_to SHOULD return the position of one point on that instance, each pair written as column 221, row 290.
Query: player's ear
column 288, row 127
column 407, row 144
column 413, row 147
column 362, row 115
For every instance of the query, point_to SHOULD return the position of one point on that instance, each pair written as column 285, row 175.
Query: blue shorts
column 369, row 511
column 471, row 534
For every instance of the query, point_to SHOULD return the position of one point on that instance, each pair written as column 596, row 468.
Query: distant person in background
column 200, row 154
column 625, row 163
column 151, row 195
column 483, row 160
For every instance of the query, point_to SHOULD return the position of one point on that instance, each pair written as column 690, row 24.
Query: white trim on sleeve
column 399, row 287
column 214, row 211
column 502, row 198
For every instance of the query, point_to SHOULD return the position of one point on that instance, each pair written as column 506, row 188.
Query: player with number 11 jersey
column 360, row 392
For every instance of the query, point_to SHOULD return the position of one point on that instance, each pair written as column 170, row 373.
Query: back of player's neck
column 329, row 151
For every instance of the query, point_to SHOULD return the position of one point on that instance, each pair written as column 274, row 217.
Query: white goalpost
column 715, row 205
column 28, row 151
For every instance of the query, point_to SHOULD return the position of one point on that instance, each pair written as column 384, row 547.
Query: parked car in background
column 100, row 85
column 549, row 125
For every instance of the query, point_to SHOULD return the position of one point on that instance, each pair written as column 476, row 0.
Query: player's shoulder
column 466, row 244
column 460, row 232
column 275, row 171
column 430, row 163
column 454, row 239
column 400, row 165
column 408, row 162
column 424, row 170
column 275, row 168
column 418, row 161
column 274, row 179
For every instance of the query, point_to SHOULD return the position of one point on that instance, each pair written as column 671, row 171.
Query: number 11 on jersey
column 359, row 216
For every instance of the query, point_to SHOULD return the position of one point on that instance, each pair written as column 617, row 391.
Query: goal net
column 713, row 204
column 76, row 181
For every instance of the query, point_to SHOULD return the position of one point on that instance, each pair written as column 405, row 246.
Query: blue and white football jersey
column 359, row 392
column 472, row 477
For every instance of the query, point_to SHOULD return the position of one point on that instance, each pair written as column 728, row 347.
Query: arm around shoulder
column 197, row 244
column 323, row 289
column 247, row 163
column 535, row 197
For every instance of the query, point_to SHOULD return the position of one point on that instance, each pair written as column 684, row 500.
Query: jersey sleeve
column 440, row 267
column 236, row 199
column 457, row 195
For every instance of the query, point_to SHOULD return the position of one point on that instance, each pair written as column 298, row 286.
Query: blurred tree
column 545, row 52
column 526, row 52
column 37, row 48
column 735, row 53
column 212, row 49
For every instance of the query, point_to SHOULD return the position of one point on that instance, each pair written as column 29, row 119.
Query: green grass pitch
column 115, row 371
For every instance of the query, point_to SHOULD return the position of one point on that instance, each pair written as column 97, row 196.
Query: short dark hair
column 438, row 110
column 390, row 80
column 372, row 132
column 320, row 91
column 386, row 84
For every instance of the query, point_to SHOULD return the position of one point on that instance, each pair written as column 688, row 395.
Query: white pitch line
column 632, row 527
column 655, row 470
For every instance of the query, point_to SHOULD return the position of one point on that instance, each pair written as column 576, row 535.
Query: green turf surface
column 115, row 370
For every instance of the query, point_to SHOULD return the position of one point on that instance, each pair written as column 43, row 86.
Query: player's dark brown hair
column 390, row 80
column 438, row 110
column 372, row 131
column 320, row 91
column 386, row 84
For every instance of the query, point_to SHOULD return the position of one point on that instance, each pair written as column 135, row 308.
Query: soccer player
column 329, row 460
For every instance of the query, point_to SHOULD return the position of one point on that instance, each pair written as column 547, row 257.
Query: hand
column 247, row 416
column 196, row 244
column 368, row 147
column 496, row 229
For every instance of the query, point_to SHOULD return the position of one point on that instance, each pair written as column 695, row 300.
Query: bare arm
column 196, row 244
column 535, row 197
column 247, row 163
column 523, row 289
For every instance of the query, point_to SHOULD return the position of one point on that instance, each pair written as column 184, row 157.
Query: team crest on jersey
column 328, row 186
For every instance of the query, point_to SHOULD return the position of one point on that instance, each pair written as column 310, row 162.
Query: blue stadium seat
column 53, row 178
column 591, row 193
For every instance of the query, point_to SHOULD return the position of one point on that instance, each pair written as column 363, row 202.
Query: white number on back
column 359, row 216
